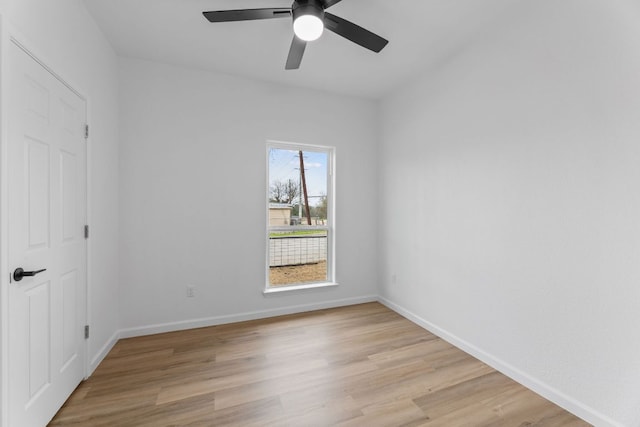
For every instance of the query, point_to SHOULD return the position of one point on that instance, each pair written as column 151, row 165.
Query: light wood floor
column 355, row 366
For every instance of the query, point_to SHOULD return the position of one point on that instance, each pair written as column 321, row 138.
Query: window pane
column 298, row 257
column 295, row 197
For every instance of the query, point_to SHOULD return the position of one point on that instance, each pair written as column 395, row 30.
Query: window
column 300, row 216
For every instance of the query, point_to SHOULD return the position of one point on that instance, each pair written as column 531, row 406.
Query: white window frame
column 331, row 219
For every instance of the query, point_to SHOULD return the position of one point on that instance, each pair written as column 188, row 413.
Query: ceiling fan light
column 308, row 27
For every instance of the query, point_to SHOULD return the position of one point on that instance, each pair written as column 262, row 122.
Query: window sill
column 281, row 289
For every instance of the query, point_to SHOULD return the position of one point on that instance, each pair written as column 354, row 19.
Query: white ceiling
column 421, row 33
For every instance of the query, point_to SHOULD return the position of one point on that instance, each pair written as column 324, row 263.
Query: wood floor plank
column 391, row 413
column 464, row 394
column 362, row 365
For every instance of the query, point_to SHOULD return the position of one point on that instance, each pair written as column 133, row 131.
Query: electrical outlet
column 191, row 291
column 393, row 279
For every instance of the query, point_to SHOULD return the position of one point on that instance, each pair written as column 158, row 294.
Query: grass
column 297, row 233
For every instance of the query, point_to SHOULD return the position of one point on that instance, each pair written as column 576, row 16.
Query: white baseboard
column 241, row 317
column 102, row 353
column 570, row 404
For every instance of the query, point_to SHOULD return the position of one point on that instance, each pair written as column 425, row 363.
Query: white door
column 47, row 213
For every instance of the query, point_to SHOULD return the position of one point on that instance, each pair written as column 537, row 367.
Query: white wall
column 193, row 179
column 510, row 201
column 66, row 38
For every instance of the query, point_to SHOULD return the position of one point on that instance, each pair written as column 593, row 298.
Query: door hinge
column 86, row 332
column 86, row 131
column 86, row 231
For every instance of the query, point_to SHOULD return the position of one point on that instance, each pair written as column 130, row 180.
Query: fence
column 297, row 250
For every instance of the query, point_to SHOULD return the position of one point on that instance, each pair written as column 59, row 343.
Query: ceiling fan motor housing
column 307, row 7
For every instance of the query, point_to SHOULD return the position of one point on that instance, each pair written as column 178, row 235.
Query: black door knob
column 19, row 273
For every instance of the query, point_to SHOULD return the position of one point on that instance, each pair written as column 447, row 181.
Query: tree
column 284, row 192
column 321, row 209
column 277, row 192
column 292, row 190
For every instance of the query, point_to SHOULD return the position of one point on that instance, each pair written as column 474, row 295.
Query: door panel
column 39, row 346
column 68, row 174
column 37, row 97
column 47, row 213
column 38, row 192
column 69, row 286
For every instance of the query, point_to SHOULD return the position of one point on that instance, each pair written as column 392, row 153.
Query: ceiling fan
column 309, row 21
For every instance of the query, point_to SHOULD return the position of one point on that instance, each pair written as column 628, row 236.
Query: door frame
column 9, row 34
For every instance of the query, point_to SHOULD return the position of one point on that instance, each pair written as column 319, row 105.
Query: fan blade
column 295, row 54
column 353, row 32
column 329, row 3
column 247, row 14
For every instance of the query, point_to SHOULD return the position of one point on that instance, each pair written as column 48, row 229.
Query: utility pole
column 304, row 188
column 300, row 197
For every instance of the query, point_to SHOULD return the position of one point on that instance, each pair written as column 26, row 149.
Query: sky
column 285, row 164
